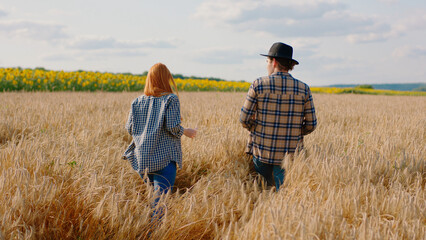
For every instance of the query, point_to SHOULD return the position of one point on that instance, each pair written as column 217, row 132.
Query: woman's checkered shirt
column 278, row 112
column 154, row 123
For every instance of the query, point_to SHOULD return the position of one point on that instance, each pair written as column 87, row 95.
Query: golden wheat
column 362, row 175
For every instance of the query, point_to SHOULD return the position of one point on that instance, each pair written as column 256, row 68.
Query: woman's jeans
column 163, row 181
column 272, row 173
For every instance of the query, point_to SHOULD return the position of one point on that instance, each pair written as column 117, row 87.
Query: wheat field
column 362, row 175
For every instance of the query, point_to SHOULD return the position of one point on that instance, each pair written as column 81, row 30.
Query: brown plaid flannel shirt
column 278, row 112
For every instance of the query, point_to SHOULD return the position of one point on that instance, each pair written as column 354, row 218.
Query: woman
column 155, row 125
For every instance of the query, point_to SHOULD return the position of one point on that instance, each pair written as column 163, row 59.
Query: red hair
column 158, row 81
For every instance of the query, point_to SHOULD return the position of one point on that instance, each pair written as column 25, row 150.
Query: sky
column 335, row 41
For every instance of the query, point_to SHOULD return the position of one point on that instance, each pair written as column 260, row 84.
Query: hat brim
column 266, row 55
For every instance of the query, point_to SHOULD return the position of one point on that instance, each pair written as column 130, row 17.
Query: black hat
column 281, row 50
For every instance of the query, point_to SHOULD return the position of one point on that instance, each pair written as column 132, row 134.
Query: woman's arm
column 172, row 120
column 129, row 124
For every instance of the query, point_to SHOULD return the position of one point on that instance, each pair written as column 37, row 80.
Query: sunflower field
column 17, row 79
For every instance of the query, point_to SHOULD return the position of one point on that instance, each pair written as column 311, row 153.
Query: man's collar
column 281, row 73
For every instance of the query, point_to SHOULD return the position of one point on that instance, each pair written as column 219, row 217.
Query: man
column 278, row 112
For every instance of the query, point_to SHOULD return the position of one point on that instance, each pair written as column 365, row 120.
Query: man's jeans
column 163, row 181
column 272, row 173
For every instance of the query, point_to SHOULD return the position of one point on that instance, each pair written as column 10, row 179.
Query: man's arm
column 249, row 109
column 310, row 121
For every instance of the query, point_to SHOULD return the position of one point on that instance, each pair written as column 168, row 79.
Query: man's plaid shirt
column 154, row 123
column 278, row 112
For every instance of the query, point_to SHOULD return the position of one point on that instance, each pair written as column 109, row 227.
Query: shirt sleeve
column 249, row 109
column 173, row 119
column 310, row 120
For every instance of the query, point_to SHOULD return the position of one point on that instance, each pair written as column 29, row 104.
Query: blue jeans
column 163, row 181
column 272, row 173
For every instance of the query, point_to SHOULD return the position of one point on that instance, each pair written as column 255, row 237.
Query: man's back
column 278, row 111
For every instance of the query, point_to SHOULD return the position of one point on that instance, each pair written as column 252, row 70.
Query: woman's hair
column 158, row 81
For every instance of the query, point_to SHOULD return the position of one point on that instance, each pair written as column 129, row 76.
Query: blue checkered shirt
column 154, row 123
column 278, row 112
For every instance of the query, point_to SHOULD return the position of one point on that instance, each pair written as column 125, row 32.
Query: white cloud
column 389, row 1
column 330, row 24
column 58, row 57
column 410, row 51
column 223, row 10
column 49, row 32
column 117, row 53
column 97, row 42
column 35, row 30
column 3, row 12
column 369, row 37
column 416, row 21
column 60, row 12
column 101, row 54
column 290, row 12
column 247, row 10
column 295, row 19
column 305, row 43
column 222, row 56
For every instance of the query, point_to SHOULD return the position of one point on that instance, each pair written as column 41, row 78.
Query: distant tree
column 365, row 86
column 420, row 89
column 178, row 76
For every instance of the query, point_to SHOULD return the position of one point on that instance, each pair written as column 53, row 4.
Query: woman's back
column 154, row 123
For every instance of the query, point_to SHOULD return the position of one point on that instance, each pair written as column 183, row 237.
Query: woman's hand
column 189, row 132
